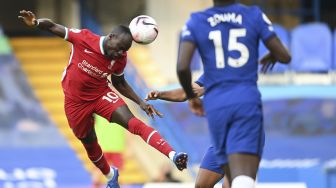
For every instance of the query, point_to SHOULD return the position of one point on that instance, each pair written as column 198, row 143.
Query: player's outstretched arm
column 175, row 95
column 30, row 20
column 125, row 89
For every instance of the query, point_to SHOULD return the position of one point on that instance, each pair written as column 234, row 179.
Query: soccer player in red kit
column 93, row 58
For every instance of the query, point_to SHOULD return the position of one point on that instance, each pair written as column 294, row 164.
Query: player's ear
column 111, row 35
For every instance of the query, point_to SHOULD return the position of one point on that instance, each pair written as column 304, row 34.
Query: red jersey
column 85, row 77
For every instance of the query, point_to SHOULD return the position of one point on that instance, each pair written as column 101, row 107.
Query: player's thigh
column 207, row 178
column 245, row 140
column 210, row 171
column 246, row 134
column 219, row 124
column 79, row 117
column 113, row 108
column 209, row 161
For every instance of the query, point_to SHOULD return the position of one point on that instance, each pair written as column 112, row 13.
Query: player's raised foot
column 113, row 183
column 180, row 160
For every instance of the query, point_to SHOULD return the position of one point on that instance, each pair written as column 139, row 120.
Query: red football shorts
column 80, row 114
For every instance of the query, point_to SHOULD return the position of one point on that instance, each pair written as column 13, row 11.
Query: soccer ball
column 144, row 29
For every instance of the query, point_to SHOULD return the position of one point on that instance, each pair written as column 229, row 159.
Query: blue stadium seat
column 283, row 35
column 334, row 64
column 311, row 47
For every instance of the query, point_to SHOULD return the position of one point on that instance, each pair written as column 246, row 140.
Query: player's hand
column 196, row 106
column 28, row 18
column 150, row 110
column 152, row 95
column 267, row 67
column 267, row 62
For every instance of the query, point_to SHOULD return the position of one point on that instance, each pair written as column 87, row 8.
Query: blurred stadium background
column 38, row 150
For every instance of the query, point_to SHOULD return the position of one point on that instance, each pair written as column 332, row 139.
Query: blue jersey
column 200, row 81
column 227, row 38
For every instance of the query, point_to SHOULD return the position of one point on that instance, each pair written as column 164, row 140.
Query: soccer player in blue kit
column 210, row 172
column 227, row 36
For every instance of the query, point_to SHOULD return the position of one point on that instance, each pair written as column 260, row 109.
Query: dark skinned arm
column 278, row 53
column 174, row 95
column 183, row 67
column 45, row 24
column 125, row 89
column 277, row 50
column 186, row 52
column 121, row 85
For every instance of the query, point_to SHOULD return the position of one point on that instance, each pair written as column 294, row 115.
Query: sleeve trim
column 66, row 37
column 270, row 36
column 120, row 74
column 199, row 83
column 101, row 46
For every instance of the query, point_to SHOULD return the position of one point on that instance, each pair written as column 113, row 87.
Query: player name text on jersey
column 226, row 17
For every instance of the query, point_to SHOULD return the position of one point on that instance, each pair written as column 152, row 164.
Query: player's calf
column 154, row 139
column 149, row 135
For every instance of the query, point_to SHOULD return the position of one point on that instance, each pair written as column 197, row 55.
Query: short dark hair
column 122, row 29
column 125, row 32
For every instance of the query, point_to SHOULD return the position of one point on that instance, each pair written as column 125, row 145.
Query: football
column 144, row 29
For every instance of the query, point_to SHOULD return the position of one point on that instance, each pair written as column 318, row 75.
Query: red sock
column 96, row 155
column 149, row 135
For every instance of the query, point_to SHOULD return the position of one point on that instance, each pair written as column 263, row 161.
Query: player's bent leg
column 124, row 117
column 95, row 152
column 121, row 116
column 243, row 168
column 207, row 179
column 96, row 155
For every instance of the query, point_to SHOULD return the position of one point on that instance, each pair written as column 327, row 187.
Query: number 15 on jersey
column 233, row 44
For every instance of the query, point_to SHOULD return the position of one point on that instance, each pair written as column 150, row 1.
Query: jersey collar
column 101, row 44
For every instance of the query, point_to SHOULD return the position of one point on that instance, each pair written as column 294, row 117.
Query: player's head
column 118, row 41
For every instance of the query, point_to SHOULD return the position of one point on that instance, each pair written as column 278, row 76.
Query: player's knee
column 91, row 137
column 122, row 116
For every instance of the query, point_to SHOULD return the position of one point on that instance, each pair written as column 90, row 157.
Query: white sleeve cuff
column 66, row 33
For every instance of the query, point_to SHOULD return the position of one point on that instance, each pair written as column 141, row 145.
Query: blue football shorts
column 209, row 161
column 236, row 128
